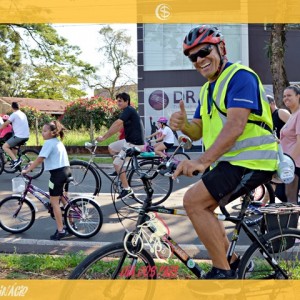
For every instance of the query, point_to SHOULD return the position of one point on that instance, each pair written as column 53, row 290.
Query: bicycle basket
column 18, row 185
column 277, row 217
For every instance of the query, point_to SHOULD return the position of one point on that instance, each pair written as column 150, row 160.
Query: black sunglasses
column 203, row 52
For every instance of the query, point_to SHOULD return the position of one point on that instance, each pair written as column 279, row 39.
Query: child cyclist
column 55, row 158
column 165, row 139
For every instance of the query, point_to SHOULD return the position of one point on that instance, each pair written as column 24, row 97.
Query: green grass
column 72, row 138
column 32, row 266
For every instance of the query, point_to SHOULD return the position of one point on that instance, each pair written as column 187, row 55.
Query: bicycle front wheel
column 162, row 186
column 83, row 217
column 86, row 180
column 16, row 215
column 284, row 248
column 1, row 163
column 28, row 156
column 113, row 262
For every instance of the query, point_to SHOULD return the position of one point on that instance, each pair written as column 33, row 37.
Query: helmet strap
column 221, row 62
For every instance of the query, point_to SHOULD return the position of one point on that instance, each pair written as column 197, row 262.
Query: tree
column 115, row 51
column 48, row 54
column 276, row 56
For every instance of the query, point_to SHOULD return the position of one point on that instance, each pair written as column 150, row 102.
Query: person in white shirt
column 55, row 158
column 21, row 132
column 165, row 138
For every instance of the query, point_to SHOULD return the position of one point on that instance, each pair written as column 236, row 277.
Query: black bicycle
column 26, row 156
column 87, row 175
column 274, row 255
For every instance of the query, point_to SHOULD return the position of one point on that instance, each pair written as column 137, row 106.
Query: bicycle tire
column 162, row 186
column 7, row 165
column 83, row 217
column 1, row 163
column 284, row 247
column 27, row 156
column 179, row 157
column 24, row 219
column 86, row 179
column 112, row 262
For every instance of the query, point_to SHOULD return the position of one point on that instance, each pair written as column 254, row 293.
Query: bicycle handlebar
column 170, row 169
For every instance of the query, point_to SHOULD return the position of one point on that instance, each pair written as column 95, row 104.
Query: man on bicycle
column 134, row 136
column 21, row 132
column 234, row 120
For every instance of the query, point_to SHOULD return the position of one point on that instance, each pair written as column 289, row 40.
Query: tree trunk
column 37, row 131
column 277, row 50
column 92, row 130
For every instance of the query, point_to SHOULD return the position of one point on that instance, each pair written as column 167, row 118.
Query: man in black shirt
column 134, row 136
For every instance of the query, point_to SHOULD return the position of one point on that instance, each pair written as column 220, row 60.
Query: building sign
column 162, row 102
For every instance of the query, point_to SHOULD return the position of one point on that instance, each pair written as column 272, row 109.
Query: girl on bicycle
column 55, row 158
column 166, row 137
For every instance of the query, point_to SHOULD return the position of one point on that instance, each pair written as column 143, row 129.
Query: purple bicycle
column 82, row 216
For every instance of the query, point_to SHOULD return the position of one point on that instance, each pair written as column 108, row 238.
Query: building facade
column 165, row 75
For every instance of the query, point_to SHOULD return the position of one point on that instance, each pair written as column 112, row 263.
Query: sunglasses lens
column 201, row 53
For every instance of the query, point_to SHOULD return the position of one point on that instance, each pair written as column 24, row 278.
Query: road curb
column 35, row 246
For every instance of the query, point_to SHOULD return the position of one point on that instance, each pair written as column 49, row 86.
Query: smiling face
column 209, row 65
column 121, row 103
column 291, row 99
column 46, row 132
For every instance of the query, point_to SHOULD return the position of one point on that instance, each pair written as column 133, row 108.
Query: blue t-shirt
column 242, row 92
column 55, row 154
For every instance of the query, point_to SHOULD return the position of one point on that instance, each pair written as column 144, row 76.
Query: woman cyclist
column 165, row 139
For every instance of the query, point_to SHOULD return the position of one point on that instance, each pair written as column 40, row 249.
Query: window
column 163, row 45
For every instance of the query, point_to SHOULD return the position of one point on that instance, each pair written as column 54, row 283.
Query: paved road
column 36, row 239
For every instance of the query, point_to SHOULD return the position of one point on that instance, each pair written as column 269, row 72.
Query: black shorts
column 58, row 178
column 226, row 182
column 168, row 145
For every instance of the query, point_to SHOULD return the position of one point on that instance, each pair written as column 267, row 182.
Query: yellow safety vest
column 256, row 148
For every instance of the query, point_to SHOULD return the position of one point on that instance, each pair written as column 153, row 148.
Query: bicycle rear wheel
column 16, row 216
column 28, row 156
column 113, row 262
column 7, row 165
column 161, row 185
column 284, row 248
column 83, row 217
column 86, row 180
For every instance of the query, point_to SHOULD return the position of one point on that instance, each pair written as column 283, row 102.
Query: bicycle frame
column 180, row 253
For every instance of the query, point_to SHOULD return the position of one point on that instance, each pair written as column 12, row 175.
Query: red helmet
column 162, row 120
column 5, row 117
column 200, row 35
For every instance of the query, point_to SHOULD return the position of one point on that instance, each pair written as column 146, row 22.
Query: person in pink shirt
column 6, row 132
column 290, row 138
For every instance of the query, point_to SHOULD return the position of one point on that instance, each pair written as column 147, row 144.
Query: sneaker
column 216, row 273
column 113, row 174
column 234, row 265
column 125, row 193
column 59, row 235
column 15, row 163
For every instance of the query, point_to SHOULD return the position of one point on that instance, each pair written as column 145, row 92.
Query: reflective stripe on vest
column 255, row 144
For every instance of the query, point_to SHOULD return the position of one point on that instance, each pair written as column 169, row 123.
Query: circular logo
column 162, row 11
column 191, row 264
column 158, row 100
